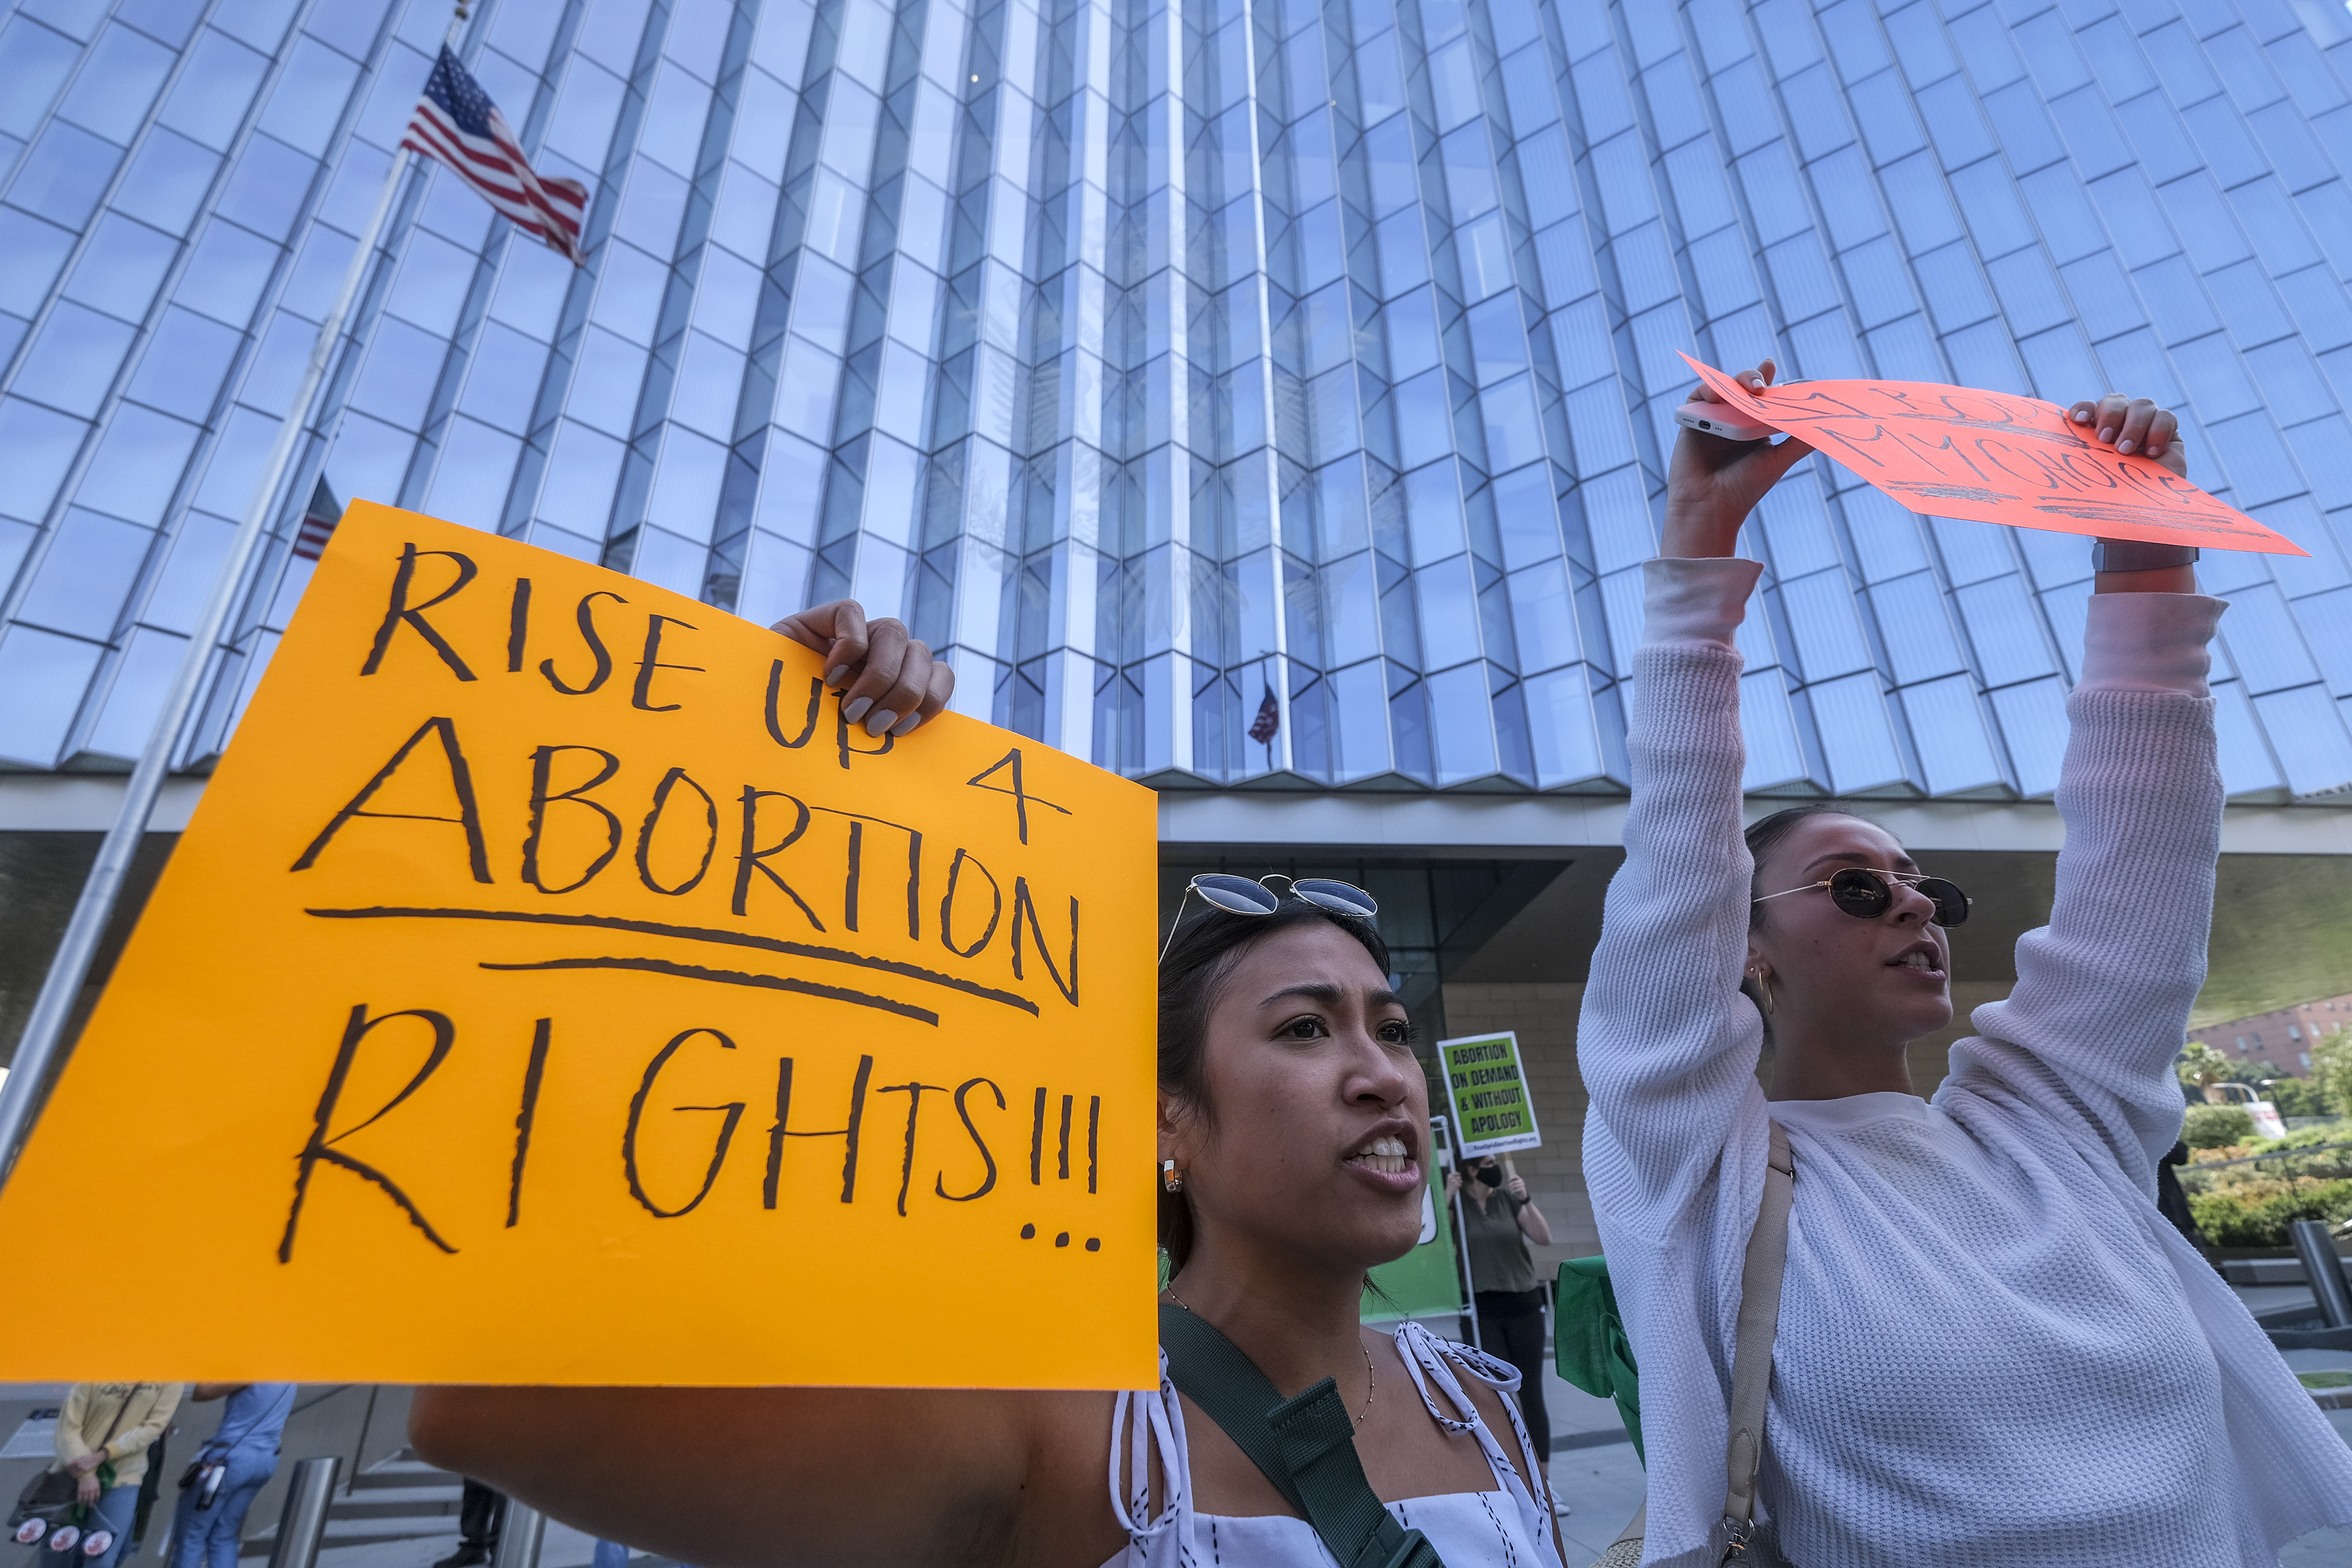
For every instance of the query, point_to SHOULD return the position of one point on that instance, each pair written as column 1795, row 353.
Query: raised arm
column 829, row 1477
column 1667, row 1043
column 2104, row 991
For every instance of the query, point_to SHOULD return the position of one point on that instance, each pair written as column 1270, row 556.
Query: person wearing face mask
column 1294, row 1135
column 1991, row 1349
column 1498, row 1221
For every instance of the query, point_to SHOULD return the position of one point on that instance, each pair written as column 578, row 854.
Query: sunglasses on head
column 1866, row 894
column 1242, row 895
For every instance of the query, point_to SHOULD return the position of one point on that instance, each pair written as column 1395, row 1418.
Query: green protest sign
column 1427, row 1281
column 1488, row 1094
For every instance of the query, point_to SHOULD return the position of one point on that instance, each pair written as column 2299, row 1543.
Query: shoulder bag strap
column 1305, row 1446
column 1759, row 1320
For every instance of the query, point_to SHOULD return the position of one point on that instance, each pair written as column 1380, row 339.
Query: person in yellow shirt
column 104, row 1431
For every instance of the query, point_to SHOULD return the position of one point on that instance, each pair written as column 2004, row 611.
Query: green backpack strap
column 1305, row 1446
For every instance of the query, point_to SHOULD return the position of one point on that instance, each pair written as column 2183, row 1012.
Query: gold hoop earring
column 1763, row 984
column 1172, row 1180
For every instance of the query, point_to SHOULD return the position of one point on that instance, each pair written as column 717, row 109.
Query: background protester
column 481, row 1509
column 1498, row 1220
column 104, row 1430
column 1992, row 1349
column 1294, row 1125
column 210, row 1521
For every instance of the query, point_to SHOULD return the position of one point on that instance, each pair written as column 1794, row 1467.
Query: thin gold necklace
column 1371, row 1373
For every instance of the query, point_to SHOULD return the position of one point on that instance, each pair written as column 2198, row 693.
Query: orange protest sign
column 1954, row 451
column 551, row 988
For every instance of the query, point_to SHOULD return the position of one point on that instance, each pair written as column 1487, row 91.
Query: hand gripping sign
column 1992, row 457
column 551, row 988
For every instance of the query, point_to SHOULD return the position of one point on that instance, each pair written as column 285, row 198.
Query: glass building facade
column 1162, row 361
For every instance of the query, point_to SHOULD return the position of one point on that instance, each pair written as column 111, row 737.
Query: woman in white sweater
column 1992, row 1350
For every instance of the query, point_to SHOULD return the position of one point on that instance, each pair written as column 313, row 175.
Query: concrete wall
column 1544, row 1016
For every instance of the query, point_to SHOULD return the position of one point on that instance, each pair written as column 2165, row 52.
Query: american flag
column 1269, row 720
column 319, row 520
column 457, row 123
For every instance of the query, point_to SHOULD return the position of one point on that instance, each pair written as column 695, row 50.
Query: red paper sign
column 1954, row 451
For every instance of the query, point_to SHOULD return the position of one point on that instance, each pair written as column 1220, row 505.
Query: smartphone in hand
column 1721, row 419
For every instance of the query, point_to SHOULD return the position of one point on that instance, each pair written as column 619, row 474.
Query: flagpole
column 43, row 1047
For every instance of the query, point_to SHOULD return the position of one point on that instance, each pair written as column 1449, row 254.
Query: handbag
column 1305, row 1446
column 53, row 1497
column 1751, row 1366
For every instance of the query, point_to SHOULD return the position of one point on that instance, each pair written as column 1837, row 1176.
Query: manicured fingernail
column 836, row 675
column 2123, row 446
column 1756, row 383
column 906, row 725
column 880, row 722
column 2106, row 432
column 2081, row 416
column 855, row 711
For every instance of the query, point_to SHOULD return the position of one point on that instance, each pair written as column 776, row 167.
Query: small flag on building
column 1268, row 722
column 319, row 520
column 457, row 125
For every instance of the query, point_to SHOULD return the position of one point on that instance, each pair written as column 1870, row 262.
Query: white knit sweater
column 1992, row 1349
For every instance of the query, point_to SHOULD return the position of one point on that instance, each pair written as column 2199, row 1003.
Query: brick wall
column 1544, row 1018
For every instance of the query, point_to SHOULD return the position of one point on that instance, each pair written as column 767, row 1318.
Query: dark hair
column 1763, row 836
column 1201, row 953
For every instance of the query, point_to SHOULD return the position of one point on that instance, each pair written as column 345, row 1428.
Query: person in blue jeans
column 206, row 1534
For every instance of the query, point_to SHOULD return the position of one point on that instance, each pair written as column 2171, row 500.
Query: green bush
column 2297, row 1097
column 2257, row 1214
column 2217, row 1126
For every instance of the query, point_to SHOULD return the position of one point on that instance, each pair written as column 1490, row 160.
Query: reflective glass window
column 2030, row 294
column 1890, row 127
column 184, row 364
column 434, row 278
column 1983, row 39
column 1801, row 278
column 1820, row 607
column 34, row 62
column 2259, row 466
column 2179, row 61
column 85, row 575
column 2007, row 635
column 2103, row 296
column 1996, row 219
column 308, row 101
column 1953, row 288
column 1852, row 29
column 2202, row 219
column 2157, row 135
column 2033, row 725
column 226, row 277
column 122, row 266
column 396, row 381
column 1817, row 111
column 1774, row 197
column 73, row 361
column 1983, row 355
column 117, row 84
column 1843, row 184
column 2215, row 376
column 2061, row 364
column 134, row 693
column 138, row 464
column 267, row 188
column 1850, row 716
column 1947, row 728
column 2023, row 126
column 1955, row 123
column 2264, row 207
column 1880, row 283
column 167, row 181
column 2222, row 137
column 32, row 251
column 2307, row 731
column 64, row 174
column 45, row 676
column 2322, row 312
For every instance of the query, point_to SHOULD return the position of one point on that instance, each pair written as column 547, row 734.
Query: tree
column 2294, row 1096
column 2202, row 1067
column 2331, row 1070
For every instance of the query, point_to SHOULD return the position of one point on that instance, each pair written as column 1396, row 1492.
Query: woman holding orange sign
column 1991, row 1349
column 1294, row 1137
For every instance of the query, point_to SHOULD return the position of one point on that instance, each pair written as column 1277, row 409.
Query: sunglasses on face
column 1241, row 896
column 1866, row 894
